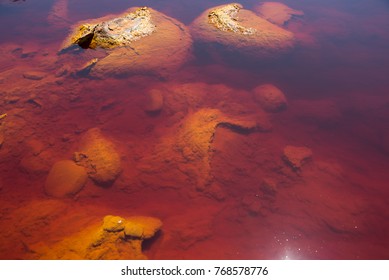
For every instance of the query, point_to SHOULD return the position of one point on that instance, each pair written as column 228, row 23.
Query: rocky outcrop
column 65, row 178
column 116, row 238
column 238, row 29
column 139, row 41
column 99, row 157
column 277, row 13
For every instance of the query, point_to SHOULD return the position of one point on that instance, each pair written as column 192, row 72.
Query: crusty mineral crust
column 225, row 19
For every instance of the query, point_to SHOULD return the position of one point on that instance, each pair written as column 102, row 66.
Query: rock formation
column 116, row 238
column 189, row 146
column 238, row 29
column 99, row 157
column 139, row 41
column 65, row 178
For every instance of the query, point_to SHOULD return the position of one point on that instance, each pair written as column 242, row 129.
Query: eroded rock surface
column 238, row 29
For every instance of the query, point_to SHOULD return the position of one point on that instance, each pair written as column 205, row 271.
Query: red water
column 336, row 84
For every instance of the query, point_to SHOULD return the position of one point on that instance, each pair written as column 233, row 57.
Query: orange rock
column 116, row 238
column 65, row 178
column 238, row 29
column 99, row 156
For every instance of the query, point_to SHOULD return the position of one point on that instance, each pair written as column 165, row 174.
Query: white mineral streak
column 226, row 19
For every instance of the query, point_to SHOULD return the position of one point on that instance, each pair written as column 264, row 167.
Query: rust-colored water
column 337, row 88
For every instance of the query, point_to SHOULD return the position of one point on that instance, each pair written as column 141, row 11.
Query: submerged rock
column 34, row 75
column 65, row 178
column 139, row 41
column 187, row 150
column 277, row 13
column 99, row 156
column 154, row 101
column 271, row 98
column 241, row 30
column 296, row 157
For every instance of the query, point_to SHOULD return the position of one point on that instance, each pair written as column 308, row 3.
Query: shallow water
column 256, row 206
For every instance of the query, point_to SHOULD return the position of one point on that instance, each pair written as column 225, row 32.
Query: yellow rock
column 142, row 227
column 106, row 241
column 113, row 223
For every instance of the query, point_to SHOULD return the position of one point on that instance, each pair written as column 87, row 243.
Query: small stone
column 271, row 98
column 296, row 157
column 34, row 75
column 155, row 101
column 113, row 223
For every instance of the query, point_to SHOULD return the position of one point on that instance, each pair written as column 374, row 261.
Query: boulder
column 99, row 157
column 271, row 98
column 138, row 41
column 65, row 178
column 277, row 13
column 113, row 223
column 241, row 30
